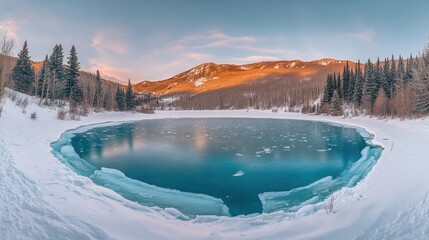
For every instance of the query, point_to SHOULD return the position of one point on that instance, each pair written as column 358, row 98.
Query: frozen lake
column 247, row 165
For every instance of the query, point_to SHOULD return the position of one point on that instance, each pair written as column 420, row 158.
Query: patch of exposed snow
column 170, row 99
column 200, row 81
column 324, row 62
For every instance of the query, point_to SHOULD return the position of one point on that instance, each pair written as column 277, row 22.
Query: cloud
column 106, row 43
column 364, row 36
column 269, row 50
column 211, row 46
column 110, row 46
column 198, row 56
column 9, row 27
column 117, row 60
column 255, row 58
column 110, row 72
column 210, row 39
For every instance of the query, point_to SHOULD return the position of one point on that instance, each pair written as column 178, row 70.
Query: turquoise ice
column 221, row 166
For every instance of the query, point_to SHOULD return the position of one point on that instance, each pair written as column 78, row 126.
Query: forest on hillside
column 397, row 88
column 392, row 87
column 55, row 82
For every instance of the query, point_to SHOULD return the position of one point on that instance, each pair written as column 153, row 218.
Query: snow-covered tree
column 336, row 105
column 71, row 86
column 23, row 73
column 57, row 72
column 421, row 84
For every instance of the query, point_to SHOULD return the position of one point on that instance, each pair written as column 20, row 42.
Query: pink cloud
column 254, row 58
column 9, row 27
column 210, row 39
column 105, row 43
column 365, row 36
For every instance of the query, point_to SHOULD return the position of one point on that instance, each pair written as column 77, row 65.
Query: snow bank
column 41, row 198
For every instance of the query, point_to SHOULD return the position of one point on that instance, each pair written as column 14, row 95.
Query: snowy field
column 40, row 198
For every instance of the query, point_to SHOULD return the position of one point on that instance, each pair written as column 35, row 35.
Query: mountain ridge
column 211, row 76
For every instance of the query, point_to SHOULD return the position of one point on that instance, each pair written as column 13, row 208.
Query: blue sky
column 155, row 39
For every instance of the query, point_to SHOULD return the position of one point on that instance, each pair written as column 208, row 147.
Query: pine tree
column 120, row 98
column 336, row 105
column 421, row 84
column 408, row 76
column 129, row 97
column 352, row 83
column 330, row 88
column 386, row 79
column 393, row 74
column 77, row 93
column 377, row 76
column 72, row 86
column 57, row 71
column 339, row 87
column 45, row 79
column 370, row 88
column 98, row 91
column 358, row 85
column 41, row 79
column 346, row 81
column 400, row 72
column 23, row 73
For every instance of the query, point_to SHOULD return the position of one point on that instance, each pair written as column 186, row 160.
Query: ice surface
column 238, row 174
column 318, row 191
column 191, row 204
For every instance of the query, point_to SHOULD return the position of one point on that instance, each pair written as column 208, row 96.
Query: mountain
column 211, row 77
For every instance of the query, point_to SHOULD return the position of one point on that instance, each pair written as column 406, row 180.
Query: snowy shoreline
column 49, row 200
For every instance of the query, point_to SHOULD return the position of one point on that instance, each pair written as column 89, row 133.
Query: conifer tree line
column 58, row 81
column 392, row 87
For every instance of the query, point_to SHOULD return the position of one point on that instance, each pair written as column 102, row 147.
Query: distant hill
column 211, row 76
column 211, row 85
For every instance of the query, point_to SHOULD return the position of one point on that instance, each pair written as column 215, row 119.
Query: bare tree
column 6, row 47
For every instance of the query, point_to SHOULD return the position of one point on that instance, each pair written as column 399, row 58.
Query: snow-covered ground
column 40, row 198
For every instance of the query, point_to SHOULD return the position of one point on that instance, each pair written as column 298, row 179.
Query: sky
column 156, row 39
